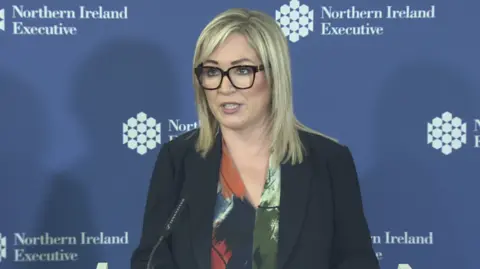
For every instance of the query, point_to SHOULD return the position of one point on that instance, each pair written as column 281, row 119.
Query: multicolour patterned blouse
column 245, row 236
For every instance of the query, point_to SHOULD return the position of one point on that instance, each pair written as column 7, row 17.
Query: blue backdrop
column 86, row 102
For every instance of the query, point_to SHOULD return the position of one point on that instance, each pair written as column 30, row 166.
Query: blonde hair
column 267, row 39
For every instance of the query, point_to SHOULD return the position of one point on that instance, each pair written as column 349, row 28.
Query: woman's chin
column 234, row 124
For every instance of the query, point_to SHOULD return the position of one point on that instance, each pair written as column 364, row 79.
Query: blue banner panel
column 89, row 91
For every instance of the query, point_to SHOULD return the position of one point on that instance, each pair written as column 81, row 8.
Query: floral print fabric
column 245, row 236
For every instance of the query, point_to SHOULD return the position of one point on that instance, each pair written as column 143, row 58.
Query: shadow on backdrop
column 34, row 202
column 22, row 177
column 118, row 80
column 23, row 121
column 411, row 188
column 68, row 213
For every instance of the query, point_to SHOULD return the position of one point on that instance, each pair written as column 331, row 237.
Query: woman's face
column 236, row 108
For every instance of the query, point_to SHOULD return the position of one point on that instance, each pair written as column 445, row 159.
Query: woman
column 263, row 191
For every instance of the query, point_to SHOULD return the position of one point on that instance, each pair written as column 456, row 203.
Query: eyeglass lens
column 240, row 76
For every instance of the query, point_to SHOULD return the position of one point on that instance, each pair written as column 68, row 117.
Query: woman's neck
column 254, row 141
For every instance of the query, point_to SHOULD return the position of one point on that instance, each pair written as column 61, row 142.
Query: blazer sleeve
column 161, row 199
column 352, row 245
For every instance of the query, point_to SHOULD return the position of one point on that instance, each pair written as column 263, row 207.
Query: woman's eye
column 244, row 70
column 211, row 72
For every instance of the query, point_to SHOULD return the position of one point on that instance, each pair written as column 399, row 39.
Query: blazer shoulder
column 318, row 143
column 181, row 144
column 187, row 138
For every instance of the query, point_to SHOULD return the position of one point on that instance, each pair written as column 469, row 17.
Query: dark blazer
column 322, row 223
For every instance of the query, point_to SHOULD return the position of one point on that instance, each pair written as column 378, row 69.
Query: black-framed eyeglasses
column 241, row 76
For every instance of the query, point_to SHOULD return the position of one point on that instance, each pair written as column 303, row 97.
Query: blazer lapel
column 201, row 179
column 293, row 205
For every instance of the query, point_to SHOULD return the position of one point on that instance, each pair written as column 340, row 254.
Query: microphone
column 167, row 229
